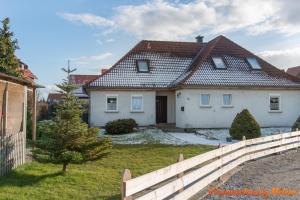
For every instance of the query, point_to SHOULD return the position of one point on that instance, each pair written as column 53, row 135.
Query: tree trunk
column 65, row 168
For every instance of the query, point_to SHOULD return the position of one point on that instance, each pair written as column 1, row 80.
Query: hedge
column 120, row 126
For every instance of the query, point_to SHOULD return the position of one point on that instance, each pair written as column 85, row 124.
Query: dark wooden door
column 161, row 109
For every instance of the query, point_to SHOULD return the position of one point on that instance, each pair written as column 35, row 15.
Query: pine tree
column 9, row 63
column 67, row 139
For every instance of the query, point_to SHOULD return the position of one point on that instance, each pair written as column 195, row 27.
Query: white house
column 193, row 85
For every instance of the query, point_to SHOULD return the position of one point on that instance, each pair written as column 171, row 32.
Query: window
column 275, row 103
column 112, row 103
column 142, row 65
column 219, row 63
column 205, row 100
column 227, row 100
column 136, row 103
column 253, row 63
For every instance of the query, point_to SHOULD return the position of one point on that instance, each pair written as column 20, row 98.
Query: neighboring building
column 294, row 71
column 80, row 80
column 193, row 85
column 27, row 74
column 55, row 98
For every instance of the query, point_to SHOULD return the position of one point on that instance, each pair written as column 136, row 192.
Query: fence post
column 179, row 176
column 298, row 140
column 279, row 153
column 219, row 157
column 126, row 176
column 244, row 139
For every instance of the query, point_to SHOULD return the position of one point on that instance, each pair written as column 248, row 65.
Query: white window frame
column 142, row 108
column 147, row 64
column 204, row 105
column 279, row 98
column 252, row 66
column 227, row 106
column 112, row 96
column 214, row 59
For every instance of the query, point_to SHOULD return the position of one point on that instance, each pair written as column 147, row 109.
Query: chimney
column 199, row 39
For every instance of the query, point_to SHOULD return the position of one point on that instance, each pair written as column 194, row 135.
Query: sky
column 95, row 34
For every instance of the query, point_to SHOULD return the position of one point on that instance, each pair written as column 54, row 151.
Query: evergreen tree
column 244, row 124
column 9, row 63
column 67, row 139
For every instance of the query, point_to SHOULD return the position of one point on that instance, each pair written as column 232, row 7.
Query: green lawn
column 93, row 180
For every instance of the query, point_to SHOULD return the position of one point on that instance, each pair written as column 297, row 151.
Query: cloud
column 87, row 18
column 283, row 58
column 93, row 58
column 110, row 40
column 43, row 92
column 161, row 19
column 90, row 63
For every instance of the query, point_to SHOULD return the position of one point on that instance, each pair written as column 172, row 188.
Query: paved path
column 277, row 171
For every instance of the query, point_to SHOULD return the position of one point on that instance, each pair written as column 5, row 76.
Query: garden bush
column 120, row 126
column 244, row 124
column 296, row 124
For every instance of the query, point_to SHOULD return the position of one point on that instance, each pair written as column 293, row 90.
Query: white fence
column 185, row 178
column 12, row 151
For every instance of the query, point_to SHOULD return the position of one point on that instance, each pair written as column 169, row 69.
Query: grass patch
column 93, row 180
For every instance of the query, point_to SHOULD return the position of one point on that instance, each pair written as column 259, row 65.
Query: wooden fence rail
column 12, row 151
column 185, row 178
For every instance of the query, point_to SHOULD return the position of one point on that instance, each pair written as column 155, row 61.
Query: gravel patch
column 276, row 171
column 147, row 136
column 202, row 136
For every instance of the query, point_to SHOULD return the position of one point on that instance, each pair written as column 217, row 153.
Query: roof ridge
column 294, row 67
column 196, row 62
column 172, row 41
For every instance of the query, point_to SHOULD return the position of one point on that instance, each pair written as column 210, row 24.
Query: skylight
column 253, row 63
column 219, row 63
column 142, row 65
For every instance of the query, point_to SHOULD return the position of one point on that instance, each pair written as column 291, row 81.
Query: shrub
column 296, row 124
column 244, row 124
column 120, row 126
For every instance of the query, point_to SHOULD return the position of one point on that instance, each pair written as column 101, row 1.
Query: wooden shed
column 15, row 93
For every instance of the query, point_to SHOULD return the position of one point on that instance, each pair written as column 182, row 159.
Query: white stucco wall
column 256, row 101
column 99, row 116
column 170, row 104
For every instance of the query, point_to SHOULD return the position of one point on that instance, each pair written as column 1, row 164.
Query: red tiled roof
column 189, row 63
column 223, row 46
column 55, row 96
column 294, row 71
column 82, row 79
column 28, row 74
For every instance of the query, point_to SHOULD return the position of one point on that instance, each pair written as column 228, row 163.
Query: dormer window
column 219, row 62
column 142, row 65
column 253, row 63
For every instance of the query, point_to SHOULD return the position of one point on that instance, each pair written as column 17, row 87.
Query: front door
column 161, row 109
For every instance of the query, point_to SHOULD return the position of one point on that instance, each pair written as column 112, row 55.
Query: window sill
column 205, row 106
column 137, row 111
column 111, row 111
column 275, row 111
column 227, row 106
